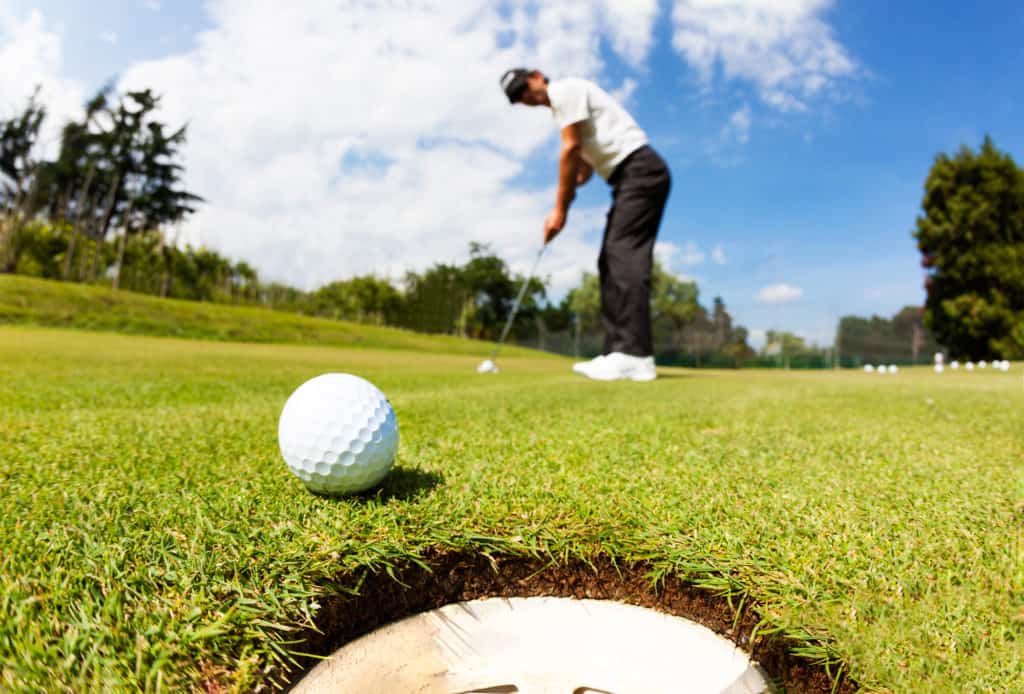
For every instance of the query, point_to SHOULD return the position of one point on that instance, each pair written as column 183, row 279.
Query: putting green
column 154, row 539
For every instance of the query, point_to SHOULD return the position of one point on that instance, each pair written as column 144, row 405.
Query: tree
column 721, row 321
column 434, row 300
column 365, row 299
column 971, row 237
column 673, row 298
column 903, row 338
column 585, row 302
column 116, row 168
column 489, row 290
column 18, row 138
column 737, row 349
column 677, row 317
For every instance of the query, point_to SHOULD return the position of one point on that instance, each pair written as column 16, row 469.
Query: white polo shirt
column 608, row 133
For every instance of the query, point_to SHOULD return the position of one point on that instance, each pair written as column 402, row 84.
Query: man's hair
column 514, row 82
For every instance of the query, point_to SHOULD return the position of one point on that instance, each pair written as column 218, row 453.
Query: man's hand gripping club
column 572, row 173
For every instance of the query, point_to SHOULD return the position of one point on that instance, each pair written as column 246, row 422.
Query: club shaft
column 515, row 306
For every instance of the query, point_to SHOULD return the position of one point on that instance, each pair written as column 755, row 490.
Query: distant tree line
column 902, row 339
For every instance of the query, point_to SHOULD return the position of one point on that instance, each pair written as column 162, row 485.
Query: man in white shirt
column 598, row 134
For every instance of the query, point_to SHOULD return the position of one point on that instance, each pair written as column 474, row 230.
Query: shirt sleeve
column 569, row 103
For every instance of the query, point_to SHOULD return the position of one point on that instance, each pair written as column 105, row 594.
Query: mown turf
column 32, row 301
column 152, row 538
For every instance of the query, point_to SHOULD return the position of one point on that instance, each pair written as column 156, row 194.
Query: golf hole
column 472, row 622
column 539, row 645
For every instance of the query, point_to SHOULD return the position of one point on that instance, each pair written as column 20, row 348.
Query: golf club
column 488, row 366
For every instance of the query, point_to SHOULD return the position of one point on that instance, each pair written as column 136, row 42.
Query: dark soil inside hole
column 460, row 577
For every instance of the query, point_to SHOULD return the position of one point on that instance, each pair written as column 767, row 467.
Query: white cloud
column 778, row 294
column 107, row 37
column 31, row 55
column 363, row 143
column 718, row 255
column 630, row 23
column 664, row 252
column 757, row 338
column 625, row 91
column 691, row 255
column 672, row 255
column 738, row 126
column 782, row 47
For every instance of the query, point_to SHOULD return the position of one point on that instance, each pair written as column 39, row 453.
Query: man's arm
column 569, row 170
column 568, row 165
column 583, row 172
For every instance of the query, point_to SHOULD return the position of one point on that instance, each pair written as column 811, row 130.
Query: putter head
column 487, row 367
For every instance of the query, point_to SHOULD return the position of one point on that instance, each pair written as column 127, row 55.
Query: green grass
column 31, row 301
column 151, row 533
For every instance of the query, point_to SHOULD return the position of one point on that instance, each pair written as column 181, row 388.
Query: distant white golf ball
column 939, row 368
column 882, row 369
column 955, row 364
column 487, row 367
column 969, row 366
column 982, row 364
column 939, row 358
column 893, row 369
column 869, row 369
column 338, row 434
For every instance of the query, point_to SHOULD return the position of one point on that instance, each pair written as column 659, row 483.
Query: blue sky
column 793, row 198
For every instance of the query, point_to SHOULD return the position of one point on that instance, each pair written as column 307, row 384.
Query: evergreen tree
column 971, row 237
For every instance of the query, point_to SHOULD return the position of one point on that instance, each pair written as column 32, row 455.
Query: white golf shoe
column 617, row 366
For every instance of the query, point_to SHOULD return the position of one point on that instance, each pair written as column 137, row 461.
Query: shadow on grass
column 403, row 484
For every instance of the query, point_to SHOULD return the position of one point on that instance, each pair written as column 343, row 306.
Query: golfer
column 599, row 135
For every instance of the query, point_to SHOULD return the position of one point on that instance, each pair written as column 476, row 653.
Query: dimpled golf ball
column 338, row 434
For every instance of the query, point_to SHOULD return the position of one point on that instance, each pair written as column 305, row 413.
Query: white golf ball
column 955, row 365
column 939, row 368
column 982, row 364
column 969, row 366
column 882, row 369
column 893, row 369
column 869, row 369
column 338, row 434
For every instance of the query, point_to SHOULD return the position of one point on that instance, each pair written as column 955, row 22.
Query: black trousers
column 640, row 187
